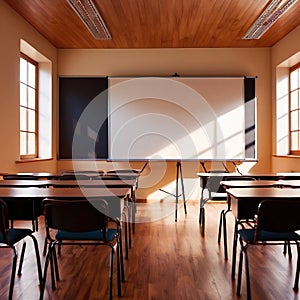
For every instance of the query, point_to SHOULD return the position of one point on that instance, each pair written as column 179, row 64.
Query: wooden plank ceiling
column 157, row 23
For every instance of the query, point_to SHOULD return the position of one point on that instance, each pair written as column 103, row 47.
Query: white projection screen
column 180, row 118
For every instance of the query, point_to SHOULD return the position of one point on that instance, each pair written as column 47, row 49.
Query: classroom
column 40, row 33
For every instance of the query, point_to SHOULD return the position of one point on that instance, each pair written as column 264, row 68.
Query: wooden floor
column 168, row 260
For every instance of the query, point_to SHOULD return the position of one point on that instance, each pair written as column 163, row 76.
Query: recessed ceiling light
column 268, row 17
column 91, row 17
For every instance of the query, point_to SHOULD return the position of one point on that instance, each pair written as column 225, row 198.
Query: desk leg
column 202, row 203
column 202, row 220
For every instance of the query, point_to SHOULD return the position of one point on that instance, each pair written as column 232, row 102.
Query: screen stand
column 178, row 176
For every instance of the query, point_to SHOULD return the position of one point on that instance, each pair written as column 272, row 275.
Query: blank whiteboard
column 179, row 118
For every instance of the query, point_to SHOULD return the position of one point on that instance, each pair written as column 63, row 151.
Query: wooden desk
column 68, row 183
column 24, row 183
column 111, row 195
column 244, row 205
column 264, row 176
column 218, row 177
column 295, row 184
column 289, row 175
column 38, row 175
column 251, row 183
column 245, row 201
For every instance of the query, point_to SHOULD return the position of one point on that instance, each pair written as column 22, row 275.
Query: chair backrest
column 278, row 215
column 4, row 223
column 76, row 215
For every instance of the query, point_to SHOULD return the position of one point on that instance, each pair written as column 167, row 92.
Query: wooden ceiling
column 157, row 23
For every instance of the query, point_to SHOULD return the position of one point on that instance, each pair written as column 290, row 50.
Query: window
column 295, row 110
column 28, row 107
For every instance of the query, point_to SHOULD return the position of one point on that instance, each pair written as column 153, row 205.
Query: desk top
column 68, row 183
column 33, row 192
column 35, row 174
column 265, row 193
column 227, row 174
column 46, row 175
column 255, row 175
column 275, row 176
column 251, row 183
column 290, row 183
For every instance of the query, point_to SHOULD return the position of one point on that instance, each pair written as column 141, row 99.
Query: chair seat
column 248, row 235
column 90, row 235
column 15, row 235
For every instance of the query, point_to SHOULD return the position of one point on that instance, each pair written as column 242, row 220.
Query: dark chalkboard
column 83, row 111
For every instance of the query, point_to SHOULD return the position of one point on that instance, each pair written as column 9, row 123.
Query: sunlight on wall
column 282, row 111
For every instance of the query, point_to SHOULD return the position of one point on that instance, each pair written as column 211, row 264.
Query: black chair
column 222, row 222
column 9, row 237
column 124, row 174
column 216, row 192
column 128, row 211
column 62, row 216
column 25, row 209
column 276, row 223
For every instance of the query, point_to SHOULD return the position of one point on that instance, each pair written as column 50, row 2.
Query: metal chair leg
column 22, row 258
column 296, row 284
column 202, row 220
column 225, row 236
column 239, row 283
column 119, row 267
column 111, row 264
column 13, row 274
column 43, row 286
column 247, row 276
column 220, row 226
column 38, row 259
column 234, row 247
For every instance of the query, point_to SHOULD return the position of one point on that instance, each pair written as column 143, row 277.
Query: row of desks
column 244, row 197
column 99, row 183
column 277, row 181
column 114, row 191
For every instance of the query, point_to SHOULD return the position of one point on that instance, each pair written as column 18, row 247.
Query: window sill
column 26, row 160
column 287, row 156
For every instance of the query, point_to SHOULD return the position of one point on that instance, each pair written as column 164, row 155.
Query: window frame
column 36, row 110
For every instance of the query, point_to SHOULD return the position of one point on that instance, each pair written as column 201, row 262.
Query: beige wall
column 12, row 29
column 285, row 54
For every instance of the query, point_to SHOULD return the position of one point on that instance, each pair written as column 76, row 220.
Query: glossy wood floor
column 168, row 260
